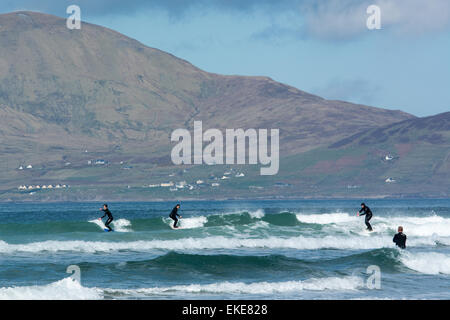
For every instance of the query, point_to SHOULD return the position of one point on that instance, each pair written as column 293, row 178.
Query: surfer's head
column 400, row 229
column 363, row 204
column 178, row 206
column 105, row 206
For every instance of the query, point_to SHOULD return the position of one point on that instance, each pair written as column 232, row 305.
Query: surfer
column 107, row 213
column 400, row 238
column 368, row 213
column 174, row 215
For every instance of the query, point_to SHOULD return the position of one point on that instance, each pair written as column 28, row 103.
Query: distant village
column 38, row 187
column 175, row 186
column 213, row 181
column 172, row 186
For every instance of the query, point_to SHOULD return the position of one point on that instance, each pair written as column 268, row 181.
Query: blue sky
column 319, row 46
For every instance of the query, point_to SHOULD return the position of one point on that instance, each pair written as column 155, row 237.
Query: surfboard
column 100, row 224
column 175, row 228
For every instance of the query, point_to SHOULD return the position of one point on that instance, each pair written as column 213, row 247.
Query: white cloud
column 342, row 19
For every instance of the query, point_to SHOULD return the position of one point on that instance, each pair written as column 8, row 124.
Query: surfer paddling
column 365, row 211
column 107, row 213
column 174, row 215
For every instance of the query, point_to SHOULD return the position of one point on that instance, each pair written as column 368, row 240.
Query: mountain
column 420, row 149
column 70, row 96
column 432, row 130
column 408, row 158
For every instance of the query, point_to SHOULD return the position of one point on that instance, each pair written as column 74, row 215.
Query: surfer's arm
column 175, row 213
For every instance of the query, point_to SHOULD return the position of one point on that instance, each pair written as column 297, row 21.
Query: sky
column 320, row 46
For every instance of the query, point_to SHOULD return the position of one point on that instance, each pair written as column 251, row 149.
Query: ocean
column 305, row 249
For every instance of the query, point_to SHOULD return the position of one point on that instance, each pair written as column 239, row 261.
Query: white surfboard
column 100, row 224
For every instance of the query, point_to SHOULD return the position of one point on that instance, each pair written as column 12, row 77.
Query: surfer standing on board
column 174, row 215
column 107, row 213
column 368, row 213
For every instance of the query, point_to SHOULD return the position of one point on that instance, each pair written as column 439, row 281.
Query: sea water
column 306, row 249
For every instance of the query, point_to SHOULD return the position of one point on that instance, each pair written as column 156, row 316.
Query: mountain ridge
column 70, row 96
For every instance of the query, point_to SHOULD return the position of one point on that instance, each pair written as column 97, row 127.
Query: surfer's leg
column 369, row 227
column 108, row 222
column 175, row 219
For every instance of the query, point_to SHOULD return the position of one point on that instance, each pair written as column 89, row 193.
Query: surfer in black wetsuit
column 107, row 213
column 400, row 238
column 174, row 215
column 368, row 213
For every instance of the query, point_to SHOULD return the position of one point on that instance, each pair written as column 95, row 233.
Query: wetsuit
column 368, row 213
column 110, row 218
column 400, row 240
column 174, row 216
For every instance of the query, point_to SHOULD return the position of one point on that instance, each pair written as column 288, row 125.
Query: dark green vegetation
column 72, row 96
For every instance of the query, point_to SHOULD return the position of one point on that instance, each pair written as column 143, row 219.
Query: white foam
column 65, row 289
column 314, row 284
column 217, row 242
column 258, row 214
column 258, row 225
column 69, row 289
column 413, row 226
column 189, row 223
column 98, row 223
column 444, row 241
column 122, row 225
column 326, row 218
column 426, row 262
column 419, row 226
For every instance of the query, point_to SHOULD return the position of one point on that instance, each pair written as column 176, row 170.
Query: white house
column 200, row 182
column 29, row 166
column 240, row 175
column 215, row 184
column 167, row 184
column 388, row 157
column 389, row 180
column 181, row 184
